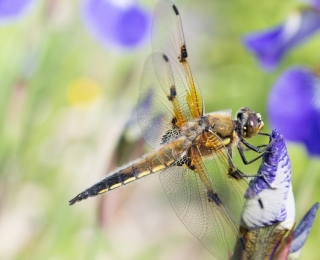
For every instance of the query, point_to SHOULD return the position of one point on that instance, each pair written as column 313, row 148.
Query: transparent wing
column 154, row 110
column 169, row 96
column 159, row 112
column 230, row 189
column 168, row 38
column 206, row 220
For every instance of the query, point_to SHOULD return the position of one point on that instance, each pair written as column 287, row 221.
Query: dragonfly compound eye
column 249, row 123
column 253, row 125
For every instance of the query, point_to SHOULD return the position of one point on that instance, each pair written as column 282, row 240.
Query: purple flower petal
column 271, row 45
column 292, row 108
column 13, row 8
column 313, row 146
column 269, row 198
column 131, row 27
column 266, row 46
column 314, row 3
column 302, row 231
column 118, row 26
column 275, row 153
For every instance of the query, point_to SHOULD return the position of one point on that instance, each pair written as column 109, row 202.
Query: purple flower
column 265, row 204
column 290, row 246
column 315, row 3
column 302, row 231
column 10, row 9
column 271, row 45
column 294, row 107
column 117, row 24
column 269, row 210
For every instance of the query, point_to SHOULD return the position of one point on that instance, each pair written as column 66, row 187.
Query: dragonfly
column 193, row 150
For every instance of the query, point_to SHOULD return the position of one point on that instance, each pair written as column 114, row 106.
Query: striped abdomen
column 135, row 170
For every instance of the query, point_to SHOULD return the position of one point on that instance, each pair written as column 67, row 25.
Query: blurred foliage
column 65, row 103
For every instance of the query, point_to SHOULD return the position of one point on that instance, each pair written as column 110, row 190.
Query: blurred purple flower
column 315, row 3
column 294, row 107
column 119, row 24
column 271, row 45
column 13, row 8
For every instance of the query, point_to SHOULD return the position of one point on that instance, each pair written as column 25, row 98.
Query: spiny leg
column 243, row 157
column 238, row 174
column 251, row 147
column 245, row 149
column 233, row 170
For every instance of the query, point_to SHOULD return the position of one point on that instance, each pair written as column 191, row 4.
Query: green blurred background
column 65, row 105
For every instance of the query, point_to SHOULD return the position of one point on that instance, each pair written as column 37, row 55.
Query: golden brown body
column 185, row 151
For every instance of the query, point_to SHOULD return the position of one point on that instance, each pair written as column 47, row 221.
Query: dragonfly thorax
column 221, row 124
column 191, row 130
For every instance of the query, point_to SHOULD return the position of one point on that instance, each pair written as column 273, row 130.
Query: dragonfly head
column 248, row 122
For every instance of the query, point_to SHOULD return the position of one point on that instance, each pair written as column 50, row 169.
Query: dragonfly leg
column 266, row 134
column 243, row 157
column 213, row 197
column 251, row 147
column 245, row 149
column 238, row 174
column 255, row 148
column 233, row 170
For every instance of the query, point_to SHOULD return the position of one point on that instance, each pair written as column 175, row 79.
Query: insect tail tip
column 73, row 201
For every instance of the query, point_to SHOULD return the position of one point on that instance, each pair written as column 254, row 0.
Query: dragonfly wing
column 203, row 218
column 168, row 38
column 161, row 109
column 155, row 110
column 169, row 95
column 230, row 188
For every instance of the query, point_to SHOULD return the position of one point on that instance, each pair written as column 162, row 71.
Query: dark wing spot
column 173, row 93
column 213, row 197
column 165, row 57
column 175, row 9
column 174, row 121
column 184, row 53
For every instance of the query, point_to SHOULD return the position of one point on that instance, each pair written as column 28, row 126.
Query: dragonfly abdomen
column 135, row 170
column 132, row 172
